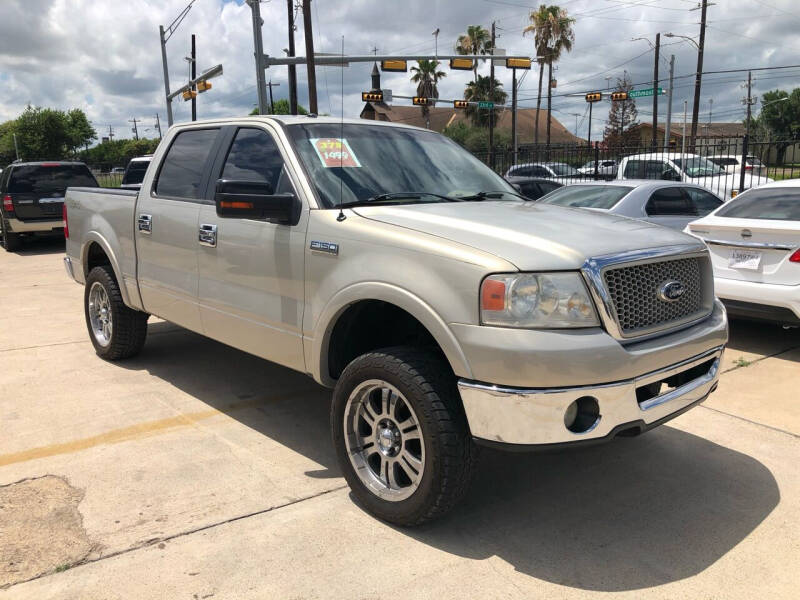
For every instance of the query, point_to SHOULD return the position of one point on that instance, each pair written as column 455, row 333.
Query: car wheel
column 10, row 241
column 116, row 331
column 401, row 436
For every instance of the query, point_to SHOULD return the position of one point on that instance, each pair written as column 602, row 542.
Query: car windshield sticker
column 334, row 152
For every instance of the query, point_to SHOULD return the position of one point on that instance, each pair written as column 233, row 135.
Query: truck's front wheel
column 401, row 436
column 116, row 331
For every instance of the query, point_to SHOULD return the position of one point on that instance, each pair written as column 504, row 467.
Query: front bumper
column 536, row 417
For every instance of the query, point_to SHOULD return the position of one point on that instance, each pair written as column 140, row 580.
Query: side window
column 703, row 201
column 548, row 187
column 540, row 172
column 632, row 169
column 182, row 171
column 668, row 201
column 254, row 156
column 654, row 169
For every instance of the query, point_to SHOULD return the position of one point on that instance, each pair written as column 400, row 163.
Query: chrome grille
column 634, row 293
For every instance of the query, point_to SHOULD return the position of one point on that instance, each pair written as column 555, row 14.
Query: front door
column 166, row 229
column 251, row 285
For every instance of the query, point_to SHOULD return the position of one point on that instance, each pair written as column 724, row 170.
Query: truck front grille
column 634, row 293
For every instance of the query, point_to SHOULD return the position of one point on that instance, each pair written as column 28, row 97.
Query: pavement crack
column 746, row 420
column 750, row 363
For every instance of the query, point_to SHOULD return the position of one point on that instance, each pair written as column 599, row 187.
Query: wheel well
column 95, row 257
column 371, row 324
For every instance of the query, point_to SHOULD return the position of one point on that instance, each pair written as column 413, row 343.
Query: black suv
column 32, row 196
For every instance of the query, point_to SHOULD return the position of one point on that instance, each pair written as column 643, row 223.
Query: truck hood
column 529, row 235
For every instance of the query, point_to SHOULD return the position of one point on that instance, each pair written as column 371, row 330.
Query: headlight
column 537, row 300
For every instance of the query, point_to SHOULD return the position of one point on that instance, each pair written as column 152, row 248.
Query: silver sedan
column 671, row 204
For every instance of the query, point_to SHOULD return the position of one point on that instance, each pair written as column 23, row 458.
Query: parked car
column 534, row 188
column 442, row 308
column 666, row 203
column 33, row 197
column 117, row 171
column 754, row 242
column 557, row 171
column 606, row 168
column 733, row 164
column 689, row 168
column 134, row 172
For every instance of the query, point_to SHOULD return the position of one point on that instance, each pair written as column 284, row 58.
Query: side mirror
column 670, row 175
column 252, row 200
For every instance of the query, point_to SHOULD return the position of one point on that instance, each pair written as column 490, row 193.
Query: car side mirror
column 253, row 200
column 670, row 175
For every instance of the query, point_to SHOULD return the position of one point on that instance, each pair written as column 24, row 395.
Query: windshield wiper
column 492, row 195
column 393, row 197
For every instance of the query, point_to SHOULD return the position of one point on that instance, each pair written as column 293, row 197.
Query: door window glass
column 182, row 172
column 703, row 201
column 254, row 156
column 668, row 201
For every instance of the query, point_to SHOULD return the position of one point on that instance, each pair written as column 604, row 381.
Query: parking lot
column 198, row 471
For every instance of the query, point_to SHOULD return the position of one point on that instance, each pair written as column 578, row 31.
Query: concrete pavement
column 198, row 471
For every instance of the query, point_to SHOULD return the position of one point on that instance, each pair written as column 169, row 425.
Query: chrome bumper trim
column 68, row 267
column 536, row 416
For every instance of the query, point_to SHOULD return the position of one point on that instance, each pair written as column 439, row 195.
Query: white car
column 733, row 163
column 754, row 242
column 556, row 171
column 606, row 168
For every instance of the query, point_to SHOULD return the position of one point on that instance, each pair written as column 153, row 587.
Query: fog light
column 582, row 415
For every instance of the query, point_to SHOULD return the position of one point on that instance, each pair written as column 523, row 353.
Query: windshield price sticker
column 335, row 152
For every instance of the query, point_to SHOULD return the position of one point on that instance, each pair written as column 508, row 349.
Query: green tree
column 282, row 107
column 553, row 34
column 427, row 77
column 779, row 119
column 476, row 41
column 621, row 130
column 79, row 131
column 42, row 133
column 480, row 90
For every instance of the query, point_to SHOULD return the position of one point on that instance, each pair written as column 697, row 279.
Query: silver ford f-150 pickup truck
column 389, row 264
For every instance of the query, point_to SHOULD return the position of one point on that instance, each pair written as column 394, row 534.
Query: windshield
column 354, row 162
column 778, row 204
column 587, row 196
column 562, row 169
column 49, row 179
column 697, row 166
column 135, row 171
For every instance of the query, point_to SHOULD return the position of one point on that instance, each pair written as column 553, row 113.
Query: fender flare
column 94, row 237
column 390, row 294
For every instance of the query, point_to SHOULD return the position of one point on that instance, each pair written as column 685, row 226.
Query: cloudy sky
column 104, row 56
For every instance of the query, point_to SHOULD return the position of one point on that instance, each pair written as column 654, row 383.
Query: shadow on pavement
column 762, row 338
column 628, row 515
column 36, row 246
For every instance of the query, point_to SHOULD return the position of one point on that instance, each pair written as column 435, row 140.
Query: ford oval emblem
column 670, row 291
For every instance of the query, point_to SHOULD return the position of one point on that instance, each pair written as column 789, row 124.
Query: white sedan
column 754, row 242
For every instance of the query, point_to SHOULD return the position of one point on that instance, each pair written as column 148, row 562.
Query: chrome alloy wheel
column 384, row 440
column 100, row 314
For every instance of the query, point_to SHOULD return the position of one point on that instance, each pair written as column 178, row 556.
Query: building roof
column 440, row 117
column 734, row 129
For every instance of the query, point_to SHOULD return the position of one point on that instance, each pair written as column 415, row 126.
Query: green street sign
column 644, row 93
column 485, row 104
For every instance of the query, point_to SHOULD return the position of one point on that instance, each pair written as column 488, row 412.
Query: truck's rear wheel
column 116, row 331
column 10, row 241
column 401, row 436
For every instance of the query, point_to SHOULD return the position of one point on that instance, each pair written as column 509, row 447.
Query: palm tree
column 553, row 34
column 480, row 90
column 476, row 41
column 427, row 77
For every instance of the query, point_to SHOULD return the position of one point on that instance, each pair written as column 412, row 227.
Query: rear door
column 166, row 228
column 670, row 206
column 702, row 201
column 37, row 190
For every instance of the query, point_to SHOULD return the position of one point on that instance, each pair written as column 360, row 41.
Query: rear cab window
column 183, row 170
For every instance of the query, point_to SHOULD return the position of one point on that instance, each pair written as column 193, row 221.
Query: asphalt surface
column 198, row 471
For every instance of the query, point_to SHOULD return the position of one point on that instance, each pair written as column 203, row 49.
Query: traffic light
column 203, row 86
column 400, row 66
column 462, row 64
column 594, row 97
column 372, row 96
column 189, row 94
column 460, row 104
column 421, row 101
column 619, row 96
column 518, row 63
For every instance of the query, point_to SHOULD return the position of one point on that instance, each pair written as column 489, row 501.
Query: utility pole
column 698, row 76
column 110, row 133
column 491, row 99
column 513, row 113
column 589, row 133
column 576, row 115
column 194, row 87
column 158, row 125
column 270, row 85
column 312, row 73
column 166, row 72
column 258, row 52
column 549, row 99
column 135, row 129
column 668, row 126
column 683, row 137
column 655, row 93
column 292, row 68
column 749, row 101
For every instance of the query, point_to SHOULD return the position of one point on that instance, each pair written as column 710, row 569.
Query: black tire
column 426, row 381
column 11, row 241
column 129, row 326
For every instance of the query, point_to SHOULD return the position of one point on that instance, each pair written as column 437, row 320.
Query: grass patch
column 742, row 362
column 62, row 568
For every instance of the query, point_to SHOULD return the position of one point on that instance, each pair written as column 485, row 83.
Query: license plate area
column 744, row 259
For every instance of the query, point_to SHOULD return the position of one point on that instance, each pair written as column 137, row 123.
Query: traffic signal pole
column 655, row 93
column 491, row 99
column 292, row 68
column 514, row 113
column 310, row 64
column 194, row 76
column 166, row 73
column 668, row 126
column 258, row 46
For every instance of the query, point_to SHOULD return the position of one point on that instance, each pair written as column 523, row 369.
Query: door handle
column 145, row 223
column 207, row 235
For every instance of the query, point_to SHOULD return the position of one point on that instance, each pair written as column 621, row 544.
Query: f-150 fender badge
column 326, row 247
